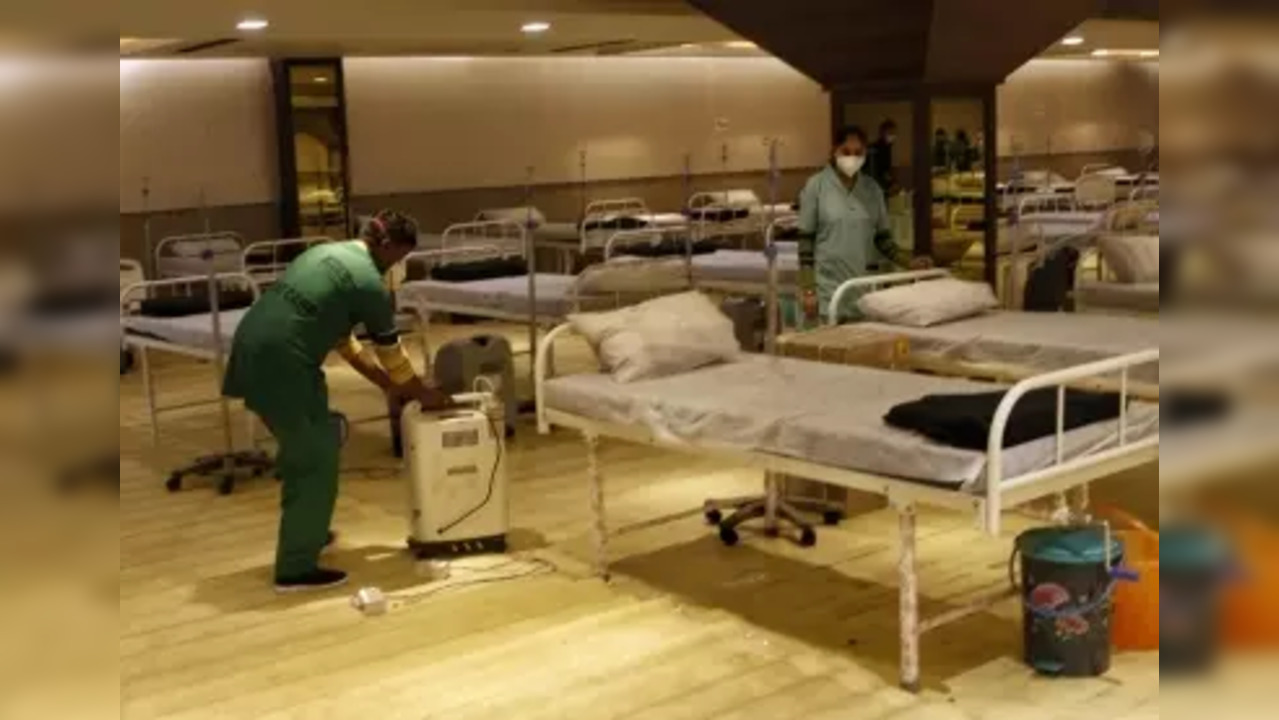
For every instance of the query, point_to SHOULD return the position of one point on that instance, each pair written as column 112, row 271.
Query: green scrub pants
column 291, row 398
column 307, row 464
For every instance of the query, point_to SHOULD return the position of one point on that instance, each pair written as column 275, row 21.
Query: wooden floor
column 689, row 629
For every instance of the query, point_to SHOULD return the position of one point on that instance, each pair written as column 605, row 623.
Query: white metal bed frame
column 271, row 271
column 1000, row 492
column 762, row 288
column 206, row 238
column 130, row 298
column 497, row 239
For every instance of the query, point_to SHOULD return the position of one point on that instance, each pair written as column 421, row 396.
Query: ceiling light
column 320, row 79
column 1100, row 53
column 1072, row 41
column 252, row 24
column 741, row 45
column 1150, row 53
column 534, row 28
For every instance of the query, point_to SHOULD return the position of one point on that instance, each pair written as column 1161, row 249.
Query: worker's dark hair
column 889, row 124
column 841, row 136
column 389, row 226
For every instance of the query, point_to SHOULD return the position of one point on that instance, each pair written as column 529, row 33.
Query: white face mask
column 850, row 164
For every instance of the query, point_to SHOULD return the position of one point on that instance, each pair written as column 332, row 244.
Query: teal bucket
column 1067, row 580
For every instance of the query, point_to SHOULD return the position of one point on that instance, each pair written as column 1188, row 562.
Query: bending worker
column 843, row 228
column 276, row 368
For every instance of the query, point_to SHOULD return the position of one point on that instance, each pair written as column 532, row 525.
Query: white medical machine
column 457, row 478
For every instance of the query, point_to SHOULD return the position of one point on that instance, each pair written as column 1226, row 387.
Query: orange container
column 1135, row 625
column 1251, row 604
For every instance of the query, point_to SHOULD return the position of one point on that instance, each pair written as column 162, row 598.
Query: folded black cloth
column 719, row 215
column 786, row 233
column 620, row 222
column 183, row 306
column 963, row 421
column 480, row 270
column 1051, row 285
column 1185, row 408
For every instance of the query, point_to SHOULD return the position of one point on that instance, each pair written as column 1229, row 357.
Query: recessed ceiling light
column 741, row 45
column 534, row 28
column 1072, row 40
column 321, row 79
column 252, row 24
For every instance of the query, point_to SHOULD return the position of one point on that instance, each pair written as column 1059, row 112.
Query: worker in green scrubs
column 843, row 229
column 276, row 367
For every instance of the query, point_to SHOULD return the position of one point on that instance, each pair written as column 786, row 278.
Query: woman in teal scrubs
column 276, row 367
column 843, row 228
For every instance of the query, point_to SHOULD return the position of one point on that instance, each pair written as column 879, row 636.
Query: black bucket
column 1194, row 565
column 1067, row 580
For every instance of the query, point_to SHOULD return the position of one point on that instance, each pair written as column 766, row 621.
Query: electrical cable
column 497, row 461
column 539, row 567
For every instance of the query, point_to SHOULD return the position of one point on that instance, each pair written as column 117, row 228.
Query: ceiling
column 419, row 27
column 301, row 28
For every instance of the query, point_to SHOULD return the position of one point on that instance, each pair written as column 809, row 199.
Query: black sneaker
column 317, row 579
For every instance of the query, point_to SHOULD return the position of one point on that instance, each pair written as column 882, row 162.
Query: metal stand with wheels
column 228, row 464
column 773, row 506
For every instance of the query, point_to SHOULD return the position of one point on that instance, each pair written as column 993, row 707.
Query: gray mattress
column 1038, row 341
column 823, row 413
column 505, row 296
column 1135, row 297
column 194, row 331
column 746, row 266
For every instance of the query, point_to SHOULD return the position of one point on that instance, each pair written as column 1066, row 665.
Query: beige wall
column 431, row 124
column 196, row 133
column 1078, row 106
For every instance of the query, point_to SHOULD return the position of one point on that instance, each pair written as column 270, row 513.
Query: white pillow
column 658, row 338
column 634, row 275
column 519, row 215
column 1131, row 258
column 928, row 303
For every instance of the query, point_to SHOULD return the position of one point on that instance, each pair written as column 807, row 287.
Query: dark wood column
column 990, row 162
column 921, row 134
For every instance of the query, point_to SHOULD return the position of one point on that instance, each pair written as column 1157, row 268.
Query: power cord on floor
column 372, row 601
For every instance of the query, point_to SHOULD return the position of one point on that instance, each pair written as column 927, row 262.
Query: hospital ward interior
column 763, row 362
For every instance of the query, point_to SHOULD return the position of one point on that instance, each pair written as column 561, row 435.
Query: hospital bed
column 179, row 256
column 777, row 415
column 745, row 272
column 206, row 336
column 1009, row 346
column 732, row 217
column 266, row 260
column 537, row 299
column 586, row 238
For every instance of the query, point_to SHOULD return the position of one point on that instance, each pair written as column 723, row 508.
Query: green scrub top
column 844, row 223
column 283, row 340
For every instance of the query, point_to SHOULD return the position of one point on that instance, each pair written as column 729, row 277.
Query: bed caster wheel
column 832, row 517
column 772, row 532
column 807, row 537
column 258, row 472
column 713, row 516
column 728, row 536
column 226, row 485
column 174, row 483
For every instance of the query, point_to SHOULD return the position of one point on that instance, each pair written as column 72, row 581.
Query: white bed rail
column 206, row 240
column 997, row 486
column 128, row 301
column 878, row 282
column 271, row 269
column 652, row 237
column 508, row 236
